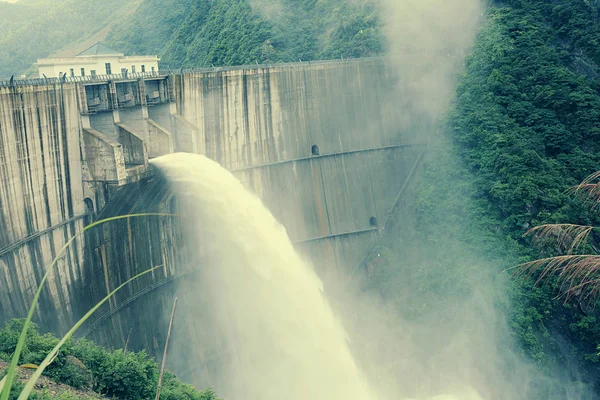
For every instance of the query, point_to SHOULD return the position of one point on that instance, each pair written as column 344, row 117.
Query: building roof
column 99, row 50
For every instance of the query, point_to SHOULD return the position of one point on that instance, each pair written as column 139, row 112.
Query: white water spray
column 287, row 342
column 269, row 303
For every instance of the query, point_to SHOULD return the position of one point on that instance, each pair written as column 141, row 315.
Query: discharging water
column 267, row 302
column 287, row 342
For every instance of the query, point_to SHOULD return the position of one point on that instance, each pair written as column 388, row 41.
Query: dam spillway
column 328, row 146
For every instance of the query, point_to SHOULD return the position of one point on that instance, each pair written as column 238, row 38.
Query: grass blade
column 38, row 372
column 10, row 375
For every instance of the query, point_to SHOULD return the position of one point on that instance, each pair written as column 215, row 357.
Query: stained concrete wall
column 41, row 200
column 135, row 119
column 124, row 248
column 56, row 176
column 257, row 116
column 104, row 122
column 327, row 146
column 108, row 161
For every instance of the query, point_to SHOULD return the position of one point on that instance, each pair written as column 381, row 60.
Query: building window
column 152, row 69
column 72, row 71
column 143, row 68
column 107, row 66
column 124, row 71
column 133, row 69
column 373, row 222
column 92, row 72
column 82, row 71
column 315, row 150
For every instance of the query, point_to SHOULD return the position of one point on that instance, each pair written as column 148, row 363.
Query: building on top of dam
column 96, row 60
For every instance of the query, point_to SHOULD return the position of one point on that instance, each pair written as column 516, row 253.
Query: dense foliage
column 523, row 129
column 83, row 364
column 526, row 124
column 235, row 32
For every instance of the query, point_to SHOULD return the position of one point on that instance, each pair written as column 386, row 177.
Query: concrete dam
column 328, row 146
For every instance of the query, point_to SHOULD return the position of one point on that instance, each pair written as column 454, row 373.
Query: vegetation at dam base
column 84, row 365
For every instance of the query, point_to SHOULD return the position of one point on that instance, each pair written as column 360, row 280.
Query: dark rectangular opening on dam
column 98, row 98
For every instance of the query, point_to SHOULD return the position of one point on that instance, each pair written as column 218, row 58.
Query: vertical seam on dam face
column 208, row 139
column 64, row 183
column 347, row 184
column 4, row 236
column 28, row 171
column 245, row 110
column 224, row 104
column 19, row 127
column 56, row 156
column 45, row 178
column 318, row 193
column 67, row 164
column 268, row 115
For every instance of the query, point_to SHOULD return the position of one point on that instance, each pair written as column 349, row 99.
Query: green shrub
column 36, row 347
column 111, row 373
column 173, row 389
column 119, row 374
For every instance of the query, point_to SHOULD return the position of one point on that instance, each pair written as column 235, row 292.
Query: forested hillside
column 232, row 32
column 15, row 15
column 32, row 29
column 526, row 125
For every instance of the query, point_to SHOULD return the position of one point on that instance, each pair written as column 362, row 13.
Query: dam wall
column 325, row 145
column 41, row 199
column 328, row 146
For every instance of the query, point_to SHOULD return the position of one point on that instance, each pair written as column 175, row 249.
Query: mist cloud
column 435, row 35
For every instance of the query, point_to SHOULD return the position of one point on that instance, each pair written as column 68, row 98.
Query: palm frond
column 587, row 193
column 578, row 273
column 570, row 238
column 592, row 178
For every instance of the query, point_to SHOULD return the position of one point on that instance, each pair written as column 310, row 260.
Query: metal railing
column 82, row 79
column 299, row 63
column 165, row 73
column 212, row 69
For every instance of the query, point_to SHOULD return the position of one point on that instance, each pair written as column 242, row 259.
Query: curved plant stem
column 48, row 360
column 21, row 343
